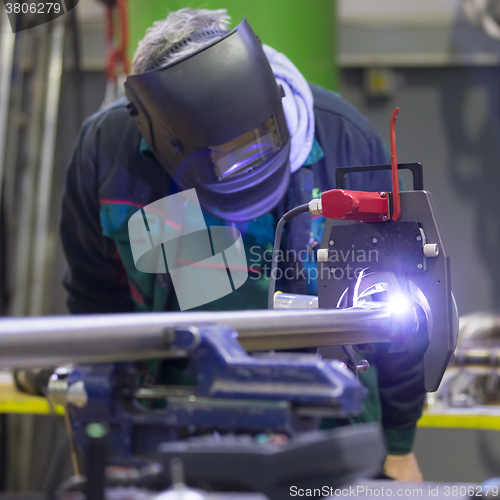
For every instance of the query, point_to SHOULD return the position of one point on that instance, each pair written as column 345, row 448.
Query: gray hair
column 177, row 25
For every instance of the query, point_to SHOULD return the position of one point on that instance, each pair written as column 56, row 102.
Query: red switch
column 355, row 205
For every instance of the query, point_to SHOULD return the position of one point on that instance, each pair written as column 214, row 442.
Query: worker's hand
column 403, row 468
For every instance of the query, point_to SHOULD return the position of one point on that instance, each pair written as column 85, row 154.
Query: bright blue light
column 400, row 304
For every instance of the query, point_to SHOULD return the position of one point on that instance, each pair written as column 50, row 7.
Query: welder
column 215, row 110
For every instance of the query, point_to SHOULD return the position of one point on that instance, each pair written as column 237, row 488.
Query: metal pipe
column 477, row 356
column 41, row 253
column 7, row 39
column 39, row 42
column 49, row 341
column 479, row 327
column 295, row 301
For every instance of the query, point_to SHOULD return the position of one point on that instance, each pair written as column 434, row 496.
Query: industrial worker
column 193, row 81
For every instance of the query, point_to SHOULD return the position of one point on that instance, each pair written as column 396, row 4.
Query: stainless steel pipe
column 295, row 301
column 44, row 341
column 487, row 356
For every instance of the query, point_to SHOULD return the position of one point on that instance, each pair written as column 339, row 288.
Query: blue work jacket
column 111, row 176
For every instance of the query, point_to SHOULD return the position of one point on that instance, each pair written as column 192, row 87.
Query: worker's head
column 177, row 26
column 206, row 101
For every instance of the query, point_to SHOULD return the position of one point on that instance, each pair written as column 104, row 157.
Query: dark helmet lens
column 247, row 151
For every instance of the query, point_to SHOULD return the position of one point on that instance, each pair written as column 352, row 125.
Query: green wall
column 304, row 30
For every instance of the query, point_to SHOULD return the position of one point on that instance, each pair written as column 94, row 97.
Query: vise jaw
column 233, row 392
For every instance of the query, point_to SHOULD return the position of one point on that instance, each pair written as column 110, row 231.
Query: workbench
column 13, row 401
column 30, row 438
column 461, row 444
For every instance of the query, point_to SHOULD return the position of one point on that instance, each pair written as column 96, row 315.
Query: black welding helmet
column 214, row 120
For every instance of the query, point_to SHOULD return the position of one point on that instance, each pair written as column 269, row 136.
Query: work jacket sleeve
column 96, row 281
column 400, row 374
column 402, row 395
column 348, row 139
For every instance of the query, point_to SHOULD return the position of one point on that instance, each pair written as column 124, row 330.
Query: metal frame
column 434, row 280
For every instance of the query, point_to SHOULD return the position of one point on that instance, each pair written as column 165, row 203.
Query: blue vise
column 234, row 392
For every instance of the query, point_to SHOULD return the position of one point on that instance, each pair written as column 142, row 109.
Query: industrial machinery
column 246, row 422
column 393, row 244
column 471, row 383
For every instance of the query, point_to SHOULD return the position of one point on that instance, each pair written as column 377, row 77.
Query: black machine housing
column 394, row 248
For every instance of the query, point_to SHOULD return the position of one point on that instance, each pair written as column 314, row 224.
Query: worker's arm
column 402, row 396
column 95, row 281
column 403, row 468
column 348, row 139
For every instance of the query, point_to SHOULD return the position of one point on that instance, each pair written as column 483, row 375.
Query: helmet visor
column 234, row 161
column 246, row 152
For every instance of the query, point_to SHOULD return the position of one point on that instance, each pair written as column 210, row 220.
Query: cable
column 301, row 209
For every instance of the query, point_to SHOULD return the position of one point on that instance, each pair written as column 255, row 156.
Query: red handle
column 396, row 198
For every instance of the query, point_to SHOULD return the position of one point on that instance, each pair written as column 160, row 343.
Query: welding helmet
column 215, row 122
